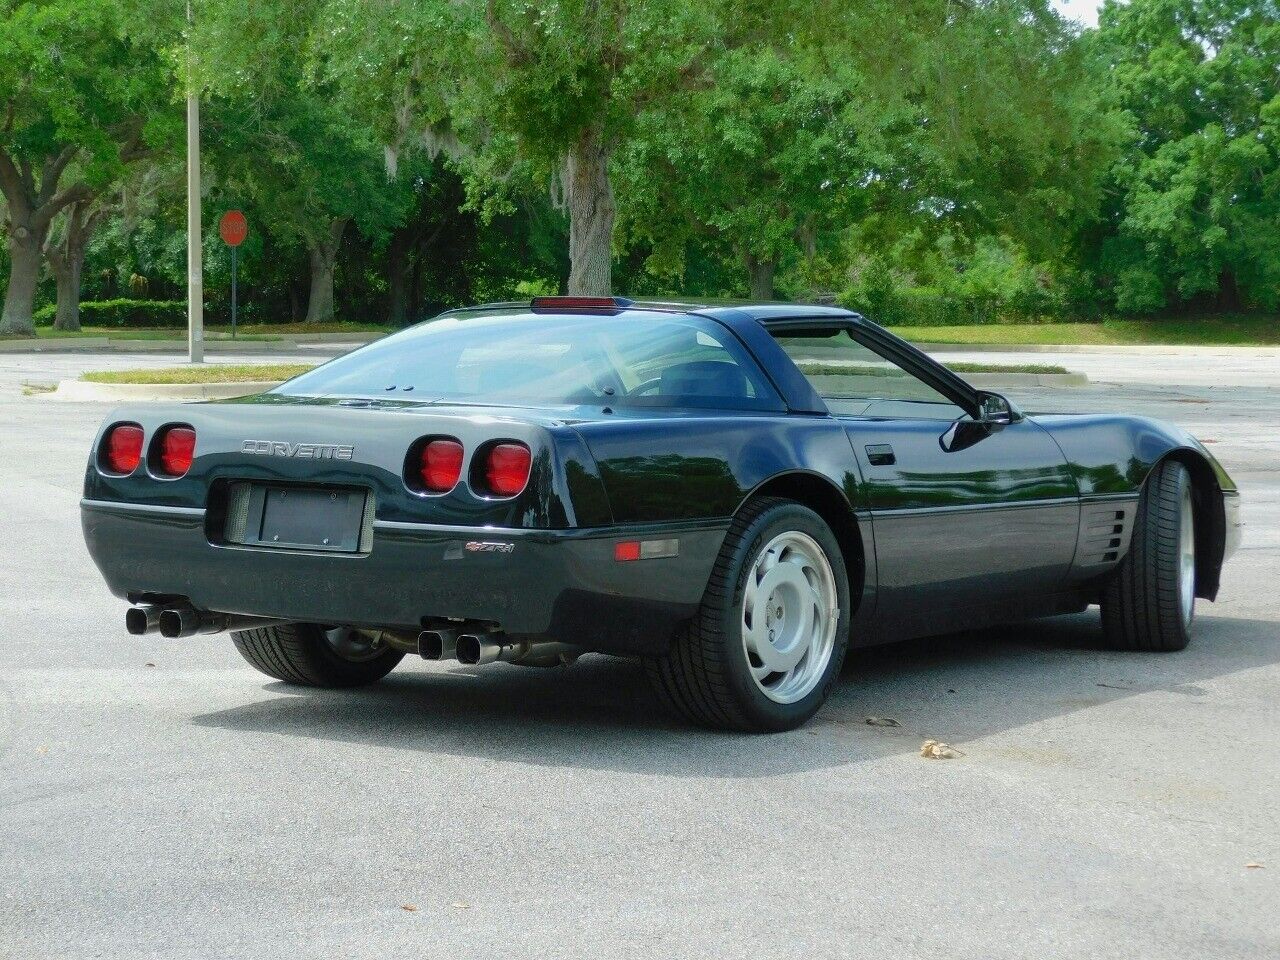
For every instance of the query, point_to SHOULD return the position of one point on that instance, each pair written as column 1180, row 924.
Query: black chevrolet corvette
column 732, row 494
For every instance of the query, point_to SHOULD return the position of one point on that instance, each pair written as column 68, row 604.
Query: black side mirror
column 994, row 413
column 995, row 410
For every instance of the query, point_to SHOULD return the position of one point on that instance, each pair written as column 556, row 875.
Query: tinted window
column 856, row 381
column 626, row 360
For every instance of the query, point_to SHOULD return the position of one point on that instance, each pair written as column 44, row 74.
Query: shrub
column 123, row 314
column 948, row 283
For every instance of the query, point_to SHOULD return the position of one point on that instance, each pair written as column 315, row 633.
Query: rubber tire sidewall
column 761, row 712
column 1140, row 603
column 299, row 654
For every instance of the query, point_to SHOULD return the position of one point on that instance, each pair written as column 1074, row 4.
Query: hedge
column 122, row 314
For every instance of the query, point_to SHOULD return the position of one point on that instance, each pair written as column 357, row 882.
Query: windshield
column 630, row 359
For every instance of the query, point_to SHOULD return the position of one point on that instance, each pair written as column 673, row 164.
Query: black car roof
column 755, row 309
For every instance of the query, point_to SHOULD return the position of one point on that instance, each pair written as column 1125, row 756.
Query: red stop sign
column 233, row 228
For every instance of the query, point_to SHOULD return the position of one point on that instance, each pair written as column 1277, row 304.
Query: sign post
column 195, row 278
column 233, row 228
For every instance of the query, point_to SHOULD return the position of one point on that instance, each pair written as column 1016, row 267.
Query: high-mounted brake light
column 123, row 449
column 550, row 304
column 441, row 465
column 177, row 449
column 506, row 469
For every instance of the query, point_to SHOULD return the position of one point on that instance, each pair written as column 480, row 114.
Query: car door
column 969, row 514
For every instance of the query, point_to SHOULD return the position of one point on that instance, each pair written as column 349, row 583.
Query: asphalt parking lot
column 160, row 799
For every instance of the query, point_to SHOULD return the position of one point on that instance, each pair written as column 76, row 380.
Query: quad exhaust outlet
column 438, row 644
column 474, row 649
column 177, row 622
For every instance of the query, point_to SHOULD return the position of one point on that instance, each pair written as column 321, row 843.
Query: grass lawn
column 1206, row 331
column 218, row 373
column 838, row 369
column 257, row 331
column 148, row 333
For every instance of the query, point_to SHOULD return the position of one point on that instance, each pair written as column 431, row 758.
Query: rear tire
column 1148, row 601
column 765, row 647
column 308, row 655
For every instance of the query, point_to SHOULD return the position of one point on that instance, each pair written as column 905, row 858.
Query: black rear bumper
column 557, row 584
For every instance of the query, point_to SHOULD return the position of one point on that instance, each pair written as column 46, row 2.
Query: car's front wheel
column 311, row 655
column 1149, row 600
column 770, row 636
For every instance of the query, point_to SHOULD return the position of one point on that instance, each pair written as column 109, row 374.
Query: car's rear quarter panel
column 705, row 466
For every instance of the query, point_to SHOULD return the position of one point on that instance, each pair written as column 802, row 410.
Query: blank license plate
column 310, row 519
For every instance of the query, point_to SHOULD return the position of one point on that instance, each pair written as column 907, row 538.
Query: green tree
column 83, row 91
column 1196, row 212
column 927, row 114
column 765, row 158
column 283, row 136
column 565, row 81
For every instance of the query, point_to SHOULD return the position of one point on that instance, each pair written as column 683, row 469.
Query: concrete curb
column 1122, row 349
column 860, row 386
column 82, row 391
column 1072, row 379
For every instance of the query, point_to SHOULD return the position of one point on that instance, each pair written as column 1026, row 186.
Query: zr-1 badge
column 488, row 546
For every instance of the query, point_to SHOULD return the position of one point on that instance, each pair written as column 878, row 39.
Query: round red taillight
column 123, row 448
column 506, row 469
column 177, row 449
column 441, row 465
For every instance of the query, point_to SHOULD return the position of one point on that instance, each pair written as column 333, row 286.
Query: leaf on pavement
column 937, row 750
column 408, row 908
column 882, row 722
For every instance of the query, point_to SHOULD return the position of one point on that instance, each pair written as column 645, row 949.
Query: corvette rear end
column 386, row 515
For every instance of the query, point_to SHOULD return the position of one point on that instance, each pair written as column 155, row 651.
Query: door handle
column 880, row 455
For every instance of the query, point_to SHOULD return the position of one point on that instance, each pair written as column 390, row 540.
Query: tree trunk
column 324, row 257
column 31, row 211
column 67, row 274
column 1228, row 299
column 760, row 273
column 397, row 278
column 589, row 197
column 66, row 260
column 24, row 274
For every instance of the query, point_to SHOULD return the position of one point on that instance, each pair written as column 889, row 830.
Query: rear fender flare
column 1210, row 517
column 824, row 498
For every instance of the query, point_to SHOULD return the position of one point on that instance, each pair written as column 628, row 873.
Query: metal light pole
column 195, row 272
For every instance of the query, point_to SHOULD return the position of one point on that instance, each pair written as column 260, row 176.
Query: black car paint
column 985, row 530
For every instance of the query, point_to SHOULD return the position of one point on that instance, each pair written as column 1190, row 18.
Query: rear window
column 537, row 360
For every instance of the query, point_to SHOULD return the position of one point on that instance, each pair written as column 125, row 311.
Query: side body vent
column 1105, row 528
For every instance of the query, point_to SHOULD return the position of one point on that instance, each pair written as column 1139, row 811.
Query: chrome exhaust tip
column 474, row 649
column 179, row 622
column 140, row 621
column 438, row 644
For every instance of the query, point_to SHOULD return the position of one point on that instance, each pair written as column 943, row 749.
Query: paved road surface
column 159, row 798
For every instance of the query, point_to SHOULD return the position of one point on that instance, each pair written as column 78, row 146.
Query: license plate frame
column 315, row 519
